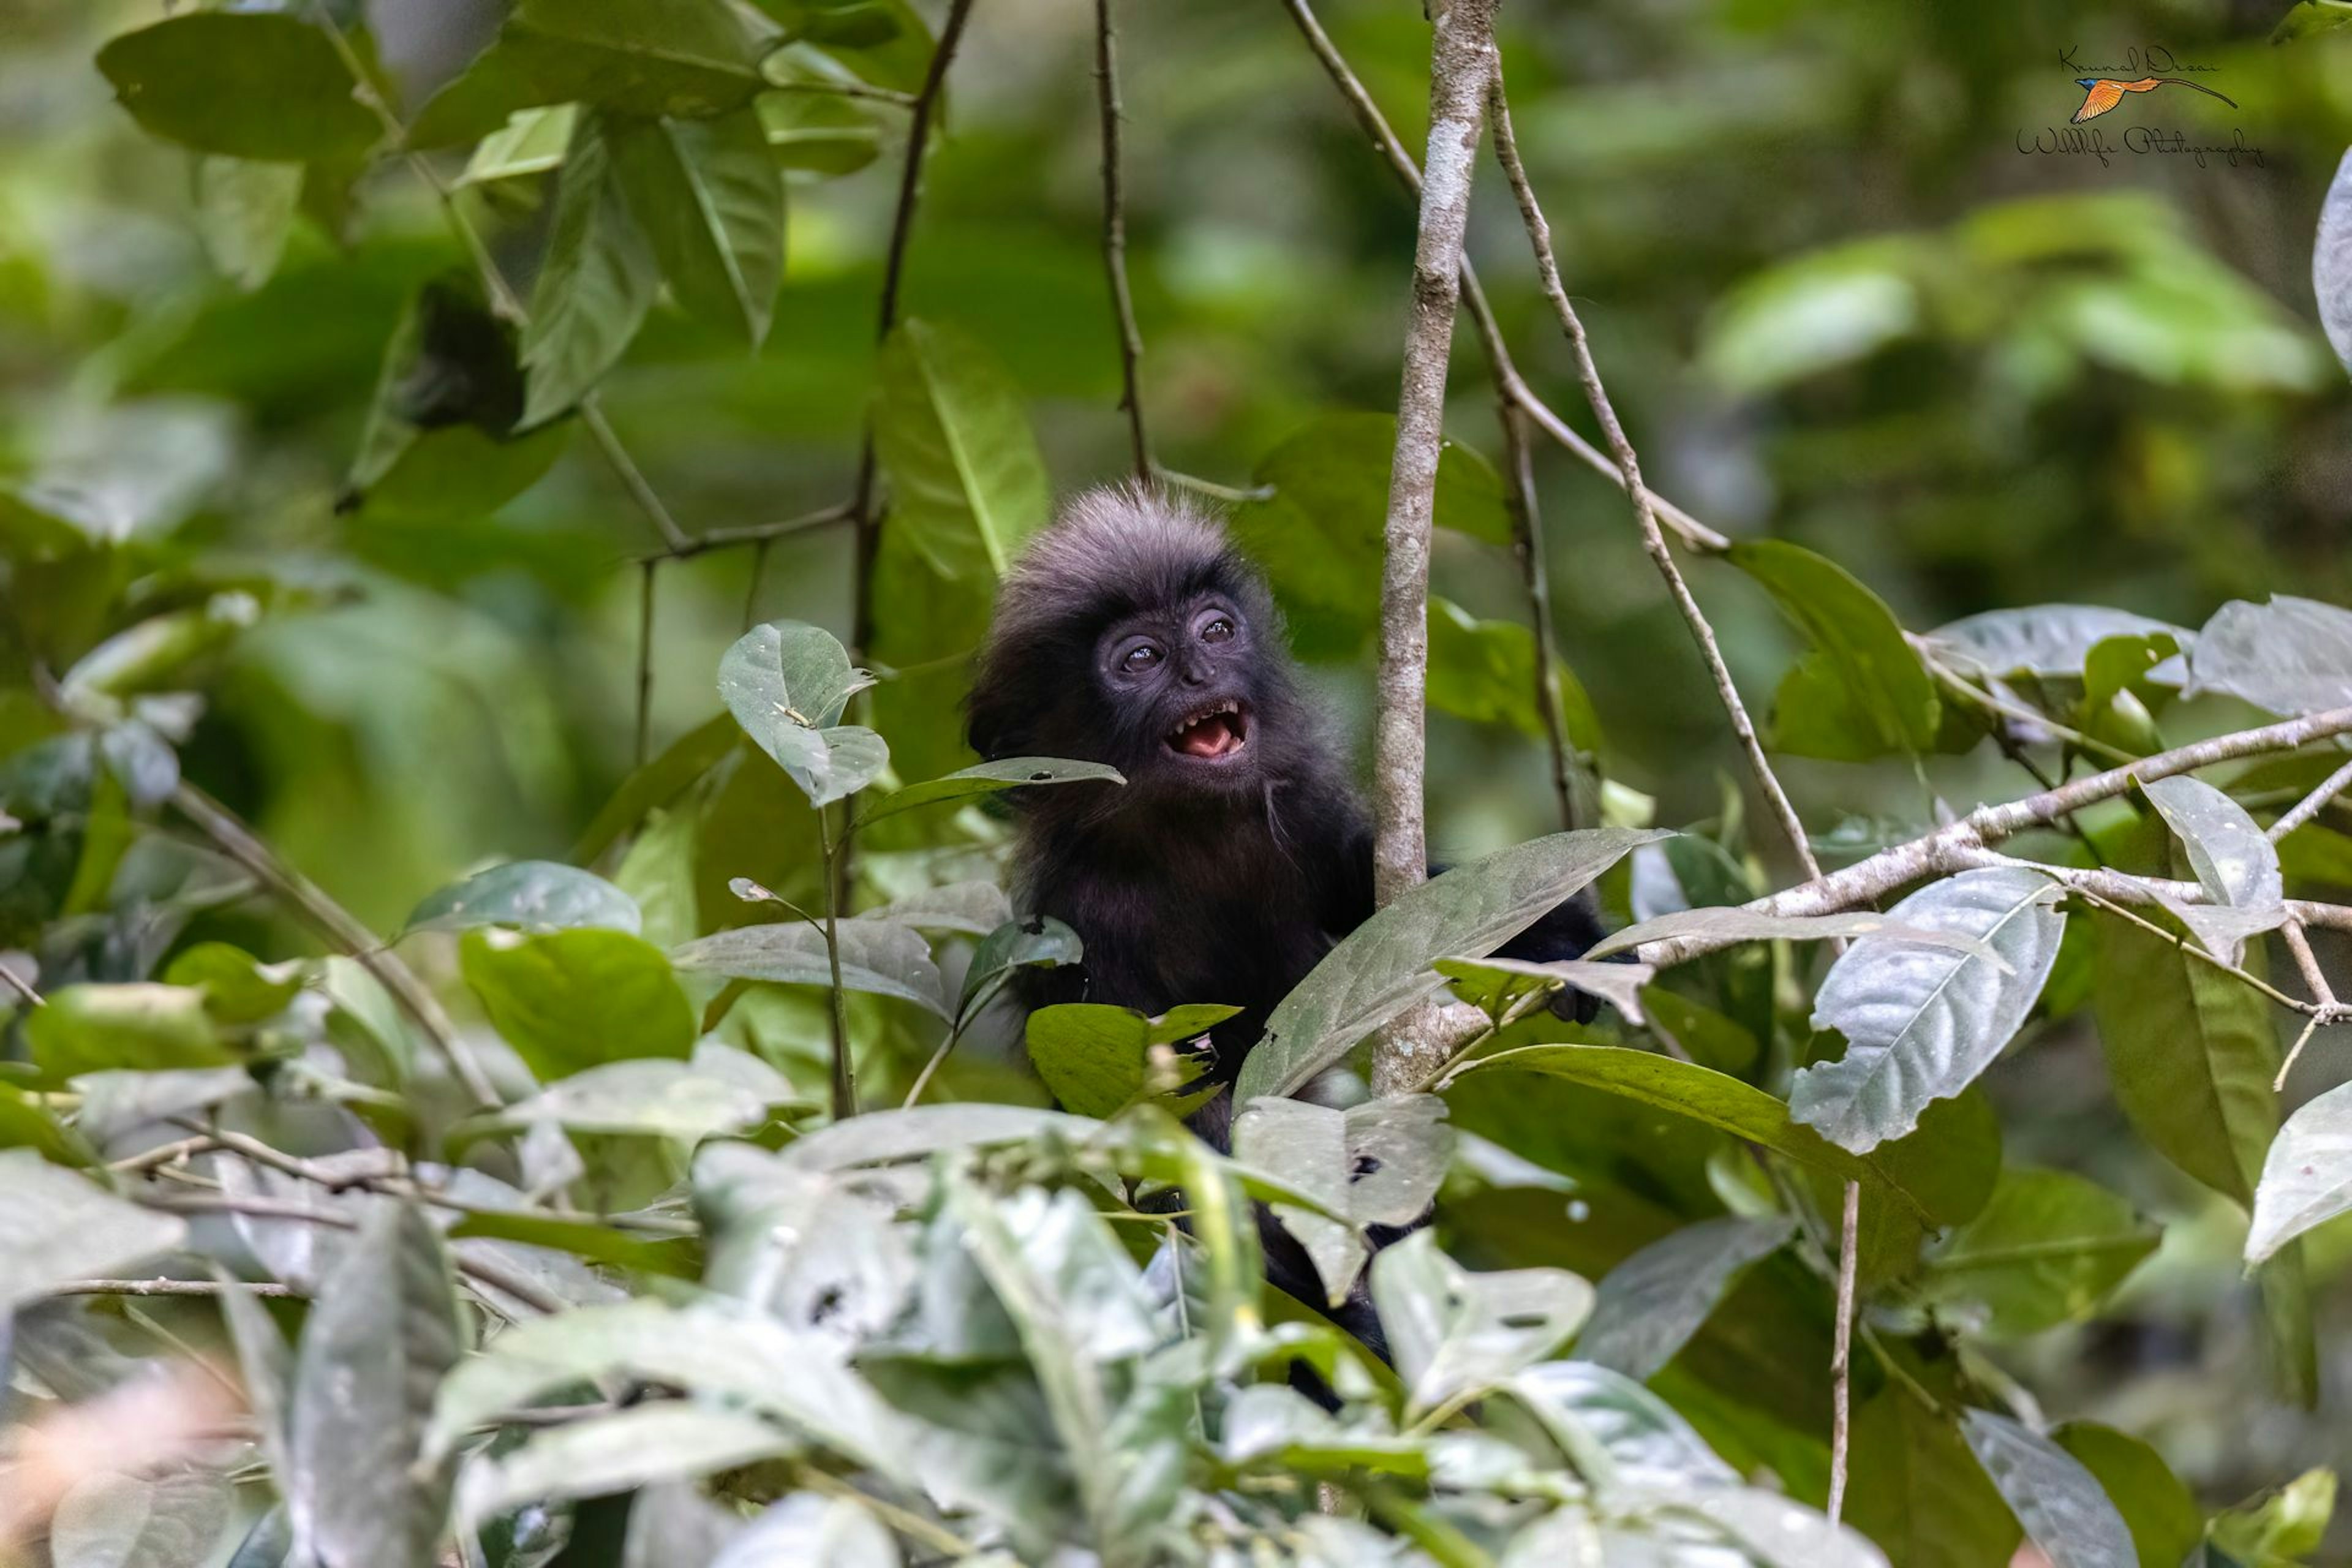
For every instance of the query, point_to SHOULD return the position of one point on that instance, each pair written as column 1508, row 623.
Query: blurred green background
column 1834, row 298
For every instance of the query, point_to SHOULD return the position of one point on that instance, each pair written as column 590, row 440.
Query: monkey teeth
column 1214, row 733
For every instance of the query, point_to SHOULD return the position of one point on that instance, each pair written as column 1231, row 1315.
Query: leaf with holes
column 1378, row 1163
column 1455, row 1332
column 989, row 778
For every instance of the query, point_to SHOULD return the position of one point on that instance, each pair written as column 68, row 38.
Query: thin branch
column 755, row 533
column 339, row 926
column 161, row 1286
column 632, row 479
column 1695, row 535
column 1527, row 543
column 1653, row 538
column 890, row 95
column 2311, row 805
column 2322, row 993
column 893, row 265
column 1951, row 847
column 1114, row 238
column 645, row 661
column 1841, row 1350
column 19, row 984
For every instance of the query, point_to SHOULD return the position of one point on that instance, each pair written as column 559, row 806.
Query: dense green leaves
column 711, row 204
column 594, row 287
column 1649, row 1305
column 2047, row 640
column 570, row 999
column 1485, row 671
column 1376, row 1163
column 1921, row 1022
column 248, row 84
column 1097, row 1059
column 147, row 1027
column 2164, row 1521
column 1862, row 685
column 2057, row 1500
column 55, row 1226
column 1455, row 1333
column 2047, row 1250
column 967, row 482
column 1383, row 966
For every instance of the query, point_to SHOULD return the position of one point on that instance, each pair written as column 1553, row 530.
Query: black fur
column 1201, row 880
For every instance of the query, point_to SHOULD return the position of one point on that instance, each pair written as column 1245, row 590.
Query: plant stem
column 1114, row 239
column 845, row 1080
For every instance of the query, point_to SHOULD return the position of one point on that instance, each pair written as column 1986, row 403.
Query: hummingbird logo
column 2101, row 94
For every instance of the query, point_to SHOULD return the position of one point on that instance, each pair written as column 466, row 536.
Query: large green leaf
column 55, row 1226
column 2306, row 1176
column 249, row 84
column 989, row 778
column 570, row 999
column 2164, row 1521
column 967, row 485
column 142, row 1025
column 245, row 209
column 1649, row 1305
column 1485, row 671
column 1377, row 1164
column 1318, row 534
column 1860, row 643
column 2289, row 656
column 593, row 288
column 787, row 682
column 1382, row 967
column 376, row 1344
column 1921, row 1022
column 1918, row 1493
column 710, row 201
column 689, row 58
column 2047, row 640
column 2057, row 1500
column 875, row 955
column 2234, row 859
column 1620, row 1436
column 1455, row 1332
column 663, row 1440
column 2190, row 1054
column 2048, row 1249
column 530, row 895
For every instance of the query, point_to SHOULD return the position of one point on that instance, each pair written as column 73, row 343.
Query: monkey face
column 1183, row 684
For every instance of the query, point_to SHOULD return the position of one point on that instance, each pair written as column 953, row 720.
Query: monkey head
column 1131, row 633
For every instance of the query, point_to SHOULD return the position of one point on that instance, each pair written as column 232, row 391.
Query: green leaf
column 1648, row 1306
column 711, row 202
column 2190, row 1054
column 2048, row 1249
column 113, row 1521
column 1860, row 644
column 2164, row 1521
column 990, row 778
column 142, row 1026
column 594, row 288
column 1318, row 537
column 2331, row 252
column 900, row 62
column 1377, row 1164
column 245, row 209
column 238, row 987
column 529, row 895
column 2234, row 859
column 55, row 1226
column 975, row 909
column 1455, row 1332
column 1719, row 1100
column 665, row 1440
column 659, row 782
column 885, row 958
column 1041, row 941
column 1918, row 1492
column 2306, row 1176
column 267, row 1364
column 1731, row 923
column 248, row 84
column 533, row 142
column 2285, row 1527
column 2057, row 1500
column 1921, row 1022
column 571, row 999
column 2289, row 656
column 1618, row 1433
column 1495, row 986
column 653, row 1098
column 967, row 484
column 818, row 132
column 1485, row 671
column 2046, row 640
column 1382, row 967
column 1096, row 1059
column 787, row 682
column 688, row 59
column 378, row 1340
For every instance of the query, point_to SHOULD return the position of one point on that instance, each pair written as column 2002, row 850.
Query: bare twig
column 890, row 95
column 339, row 926
column 862, row 510
column 161, row 1286
column 1653, row 538
column 2311, row 805
column 645, row 661
column 2322, row 994
column 755, row 533
column 1841, row 1351
column 1959, row 845
column 1526, row 539
column 1114, row 238
column 19, row 984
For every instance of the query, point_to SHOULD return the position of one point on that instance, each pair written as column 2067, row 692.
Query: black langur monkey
column 1132, row 633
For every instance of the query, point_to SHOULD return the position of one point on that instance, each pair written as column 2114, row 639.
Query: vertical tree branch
column 1526, row 539
column 1113, row 239
column 1841, row 1352
column 862, row 510
column 645, row 657
column 1461, row 57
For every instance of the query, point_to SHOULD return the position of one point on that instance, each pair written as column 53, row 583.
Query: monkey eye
column 1217, row 630
column 1141, row 656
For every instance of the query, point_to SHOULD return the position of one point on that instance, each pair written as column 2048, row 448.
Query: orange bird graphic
column 2102, row 93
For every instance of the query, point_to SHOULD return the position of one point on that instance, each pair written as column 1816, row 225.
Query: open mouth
column 1214, row 734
